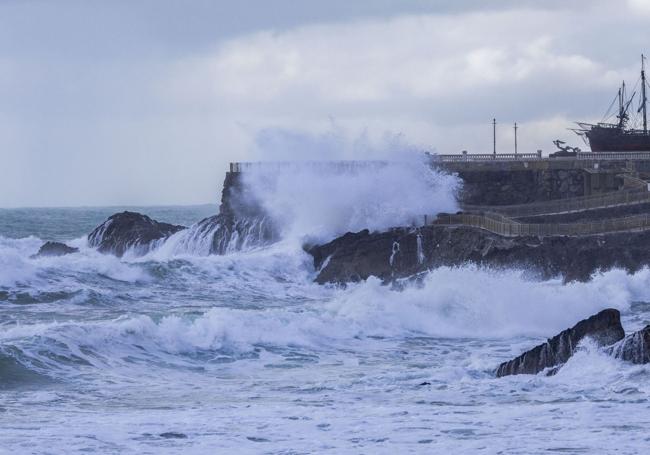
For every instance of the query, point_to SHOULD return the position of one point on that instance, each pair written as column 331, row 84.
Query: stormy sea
column 181, row 351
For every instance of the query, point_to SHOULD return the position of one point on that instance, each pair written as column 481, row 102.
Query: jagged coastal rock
column 240, row 224
column 603, row 328
column 226, row 233
column 634, row 348
column 55, row 249
column 404, row 252
column 129, row 231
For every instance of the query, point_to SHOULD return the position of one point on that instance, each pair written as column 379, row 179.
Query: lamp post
column 494, row 137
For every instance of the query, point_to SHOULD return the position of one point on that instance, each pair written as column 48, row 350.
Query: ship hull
column 618, row 140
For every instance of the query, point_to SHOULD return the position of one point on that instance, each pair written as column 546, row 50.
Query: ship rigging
column 619, row 136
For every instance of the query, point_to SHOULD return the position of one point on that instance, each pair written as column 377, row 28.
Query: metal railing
column 510, row 228
column 582, row 156
column 569, row 205
column 487, row 157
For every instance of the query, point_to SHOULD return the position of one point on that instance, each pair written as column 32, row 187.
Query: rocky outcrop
column 404, row 252
column 603, row 328
column 54, row 249
column 129, row 231
column 225, row 233
column 242, row 222
column 634, row 348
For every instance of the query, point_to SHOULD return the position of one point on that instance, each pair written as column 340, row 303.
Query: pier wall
column 486, row 182
column 501, row 182
column 500, row 187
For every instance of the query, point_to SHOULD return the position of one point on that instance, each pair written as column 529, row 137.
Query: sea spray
column 320, row 202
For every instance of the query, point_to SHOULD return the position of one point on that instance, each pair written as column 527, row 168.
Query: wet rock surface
column 242, row 222
column 129, row 231
column 404, row 252
column 226, row 233
column 633, row 348
column 603, row 328
column 54, row 249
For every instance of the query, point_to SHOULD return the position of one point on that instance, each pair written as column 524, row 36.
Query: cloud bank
column 149, row 105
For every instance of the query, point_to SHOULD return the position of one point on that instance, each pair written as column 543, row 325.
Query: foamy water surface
column 243, row 353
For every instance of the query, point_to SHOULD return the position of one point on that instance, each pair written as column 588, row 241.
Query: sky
column 145, row 102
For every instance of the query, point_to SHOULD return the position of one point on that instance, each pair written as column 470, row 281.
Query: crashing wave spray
column 314, row 202
column 299, row 202
column 317, row 201
column 240, row 225
column 220, row 235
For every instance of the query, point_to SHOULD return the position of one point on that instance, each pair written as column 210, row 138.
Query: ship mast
column 620, row 108
column 643, row 97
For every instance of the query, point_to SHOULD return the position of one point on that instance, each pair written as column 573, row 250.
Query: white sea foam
column 498, row 305
column 321, row 202
column 246, row 345
column 18, row 266
column 14, row 268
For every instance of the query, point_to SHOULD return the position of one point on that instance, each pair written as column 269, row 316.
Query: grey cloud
column 146, row 102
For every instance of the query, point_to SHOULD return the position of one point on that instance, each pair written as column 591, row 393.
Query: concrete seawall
column 504, row 180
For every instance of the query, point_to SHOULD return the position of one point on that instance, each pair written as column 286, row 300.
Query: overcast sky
column 146, row 101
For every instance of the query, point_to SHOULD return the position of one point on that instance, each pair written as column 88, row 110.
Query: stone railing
column 613, row 155
column 510, row 228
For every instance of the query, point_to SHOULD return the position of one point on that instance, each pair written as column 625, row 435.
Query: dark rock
column 241, row 223
column 227, row 233
column 173, row 435
column 604, row 328
column 129, row 230
column 633, row 348
column 357, row 256
column 54, row 249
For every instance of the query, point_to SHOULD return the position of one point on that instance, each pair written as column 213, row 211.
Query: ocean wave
column 500, row 305
column 19, row 268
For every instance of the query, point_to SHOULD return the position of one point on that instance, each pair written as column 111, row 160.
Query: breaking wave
column 498, row 305
column 319, row 202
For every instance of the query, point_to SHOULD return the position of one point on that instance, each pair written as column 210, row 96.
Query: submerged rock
column 633, row 348
column 603, row 328
column 129, row 230
column 54, row 249
column 173, row 435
